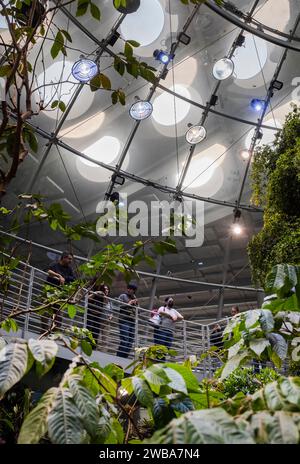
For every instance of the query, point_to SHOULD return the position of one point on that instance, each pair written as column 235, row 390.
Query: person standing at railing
column 127, row 320
column 59, row 273
column 169, row 317
column 99, row 314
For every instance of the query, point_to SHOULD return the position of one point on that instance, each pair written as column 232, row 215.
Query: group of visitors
column 101, row 310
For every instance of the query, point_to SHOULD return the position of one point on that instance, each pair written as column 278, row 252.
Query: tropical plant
column 269, row 416
column 270, row 333
column 276, row 186
column 245, row 380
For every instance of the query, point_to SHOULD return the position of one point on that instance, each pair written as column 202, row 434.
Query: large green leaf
column 177, row 382
column 279, row 428
column 258, row 345
column 86, row 404
column 191, row 381
column 13, row 365
column 234, row 349
column 290, row 389
column 252, row 317
column 142, row 391
column 44, row 352
column 156, row 376
column 273, row 397
column 96, row 380
column 279, row 345
column 266, row 320
column 232, row 364
column 281, row 279
column 64, row 421
column 34, row 426
column 209, row 426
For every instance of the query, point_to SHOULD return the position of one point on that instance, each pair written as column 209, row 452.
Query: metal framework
column 266, row 104
column 142, row 273
column 245, row 26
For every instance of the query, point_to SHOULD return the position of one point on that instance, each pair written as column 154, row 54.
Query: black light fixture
column 277, row 85
column 213, row 100
column 240, row 41
column 116, row 179
column 259, row 135
column 131, row 6
column 115, row 36
column 236, row 227
column 114, row 198
column 183, row 38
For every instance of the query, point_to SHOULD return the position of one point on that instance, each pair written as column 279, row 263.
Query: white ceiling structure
column 157, row 150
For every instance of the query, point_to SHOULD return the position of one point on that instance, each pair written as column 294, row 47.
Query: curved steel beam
column 237, row 22
column 138, row 179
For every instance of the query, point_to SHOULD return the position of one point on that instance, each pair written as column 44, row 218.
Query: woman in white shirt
column 169, row 317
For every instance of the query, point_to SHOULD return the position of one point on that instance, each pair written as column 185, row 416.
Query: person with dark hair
column 59, row 273
column 235, row 310
column 216, row 336
column 99, row 313
column 169, row 317
column 127, row 320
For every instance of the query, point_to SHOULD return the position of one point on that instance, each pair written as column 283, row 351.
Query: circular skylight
column 106, row 150
column 250, row 58
column 58, row 72
column 203, row 166
column 146, row 24
column 163, row 106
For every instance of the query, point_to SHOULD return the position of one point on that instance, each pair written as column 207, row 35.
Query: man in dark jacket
column 127, row 320
column 59, row 273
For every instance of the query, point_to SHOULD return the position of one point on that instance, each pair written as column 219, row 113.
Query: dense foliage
column 164, row 402
column 276, row 187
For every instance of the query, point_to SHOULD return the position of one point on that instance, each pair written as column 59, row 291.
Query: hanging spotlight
column 84, row 69
column 195, row 134
column 163, row 57
column 257, row 104
column 140, row 109
column 131, row 6
column 237, row 229
column 223, row 69
column 245, row 154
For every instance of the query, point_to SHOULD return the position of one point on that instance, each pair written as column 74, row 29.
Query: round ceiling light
column 146, row 24
column 195, row 134
column 84, row 70
column 223, row 69
column 140, row 110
